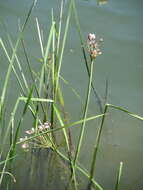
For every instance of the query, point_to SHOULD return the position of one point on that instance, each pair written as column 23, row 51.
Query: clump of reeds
column 46, row 96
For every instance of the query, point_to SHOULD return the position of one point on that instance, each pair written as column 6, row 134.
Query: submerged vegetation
column 43, row 98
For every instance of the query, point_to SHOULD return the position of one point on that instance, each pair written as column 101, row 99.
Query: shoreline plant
column 44, row 101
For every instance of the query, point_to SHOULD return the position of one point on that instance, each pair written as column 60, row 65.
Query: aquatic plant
column 94, row 45
column 44, row 100
column 43, row 140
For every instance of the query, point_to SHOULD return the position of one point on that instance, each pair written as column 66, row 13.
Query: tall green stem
column 85, row 114
column 96, row 146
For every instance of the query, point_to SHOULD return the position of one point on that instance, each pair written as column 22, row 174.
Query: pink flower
column 94, row 45
column 91, row 36
column 29, row 132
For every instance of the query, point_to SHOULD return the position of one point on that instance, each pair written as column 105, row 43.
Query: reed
column 43, row 99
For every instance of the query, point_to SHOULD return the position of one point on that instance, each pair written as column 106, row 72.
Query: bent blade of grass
column 25, row 99
column 119, row 176
column 92, row 170
column 20, row 122
column 62, row 124
column 126, row 111
column 66, row 126
column 13, row 56
column 10, row 174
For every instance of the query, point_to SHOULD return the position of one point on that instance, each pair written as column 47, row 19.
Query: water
column 119, row 23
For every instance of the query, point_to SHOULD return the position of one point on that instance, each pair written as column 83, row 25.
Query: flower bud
column 94, row 53
column 91, row 36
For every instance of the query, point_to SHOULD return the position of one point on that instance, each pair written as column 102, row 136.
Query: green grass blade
column 60, row 27
column 13, row 56
column 63, row 47
column 14, row 70
column 20, row 69
column 40, row 37
column 98, row 99
column 10, row 122
column 36, row 99
column 31, row 73
column 5, row 164
column 81, row 169
column 20, row 122
column 126, row 111
column 96, row 147
column 62, row 125
column 2, row 162
column 10, row 174
column 66, row 126
column 46, row 57
column 119, row 176
column 84, row 115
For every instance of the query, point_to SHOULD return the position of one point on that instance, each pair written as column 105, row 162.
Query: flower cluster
column 41, row 140
column 94, row 45
column 102, row 2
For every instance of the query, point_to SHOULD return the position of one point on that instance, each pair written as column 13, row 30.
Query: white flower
column 46, row 125
column 41, row 127
column 25, row 145
column 91, row 36
column 21, row 139
column 29, row 132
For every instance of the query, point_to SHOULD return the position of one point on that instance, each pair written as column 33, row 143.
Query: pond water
column 119, row 23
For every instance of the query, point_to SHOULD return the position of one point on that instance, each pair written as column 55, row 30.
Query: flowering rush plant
column 41, row 139
column 94, row 45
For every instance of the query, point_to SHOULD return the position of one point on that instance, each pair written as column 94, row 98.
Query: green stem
column 93, row 163
column 85, row 114
column 119, row 176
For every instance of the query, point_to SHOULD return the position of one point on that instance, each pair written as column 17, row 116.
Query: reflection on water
column 43, row 169
column 120, row 24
